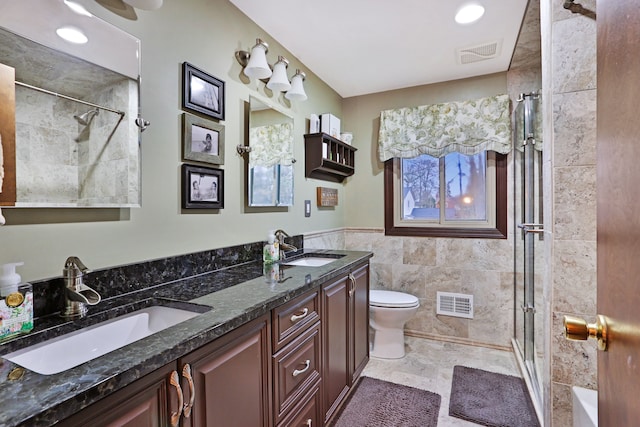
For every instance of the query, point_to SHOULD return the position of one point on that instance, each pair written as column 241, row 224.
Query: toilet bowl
column 388, row 312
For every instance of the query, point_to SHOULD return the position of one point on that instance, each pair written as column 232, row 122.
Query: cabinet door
column 359, row 355
column 335, row 343
column 231, row 379
column 148, row 402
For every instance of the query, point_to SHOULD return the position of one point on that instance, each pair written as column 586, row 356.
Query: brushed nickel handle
column 186, row 373
column 353, row 285
column 174, row 380
column 297, row 372
column 297, row 317
column 578, row 329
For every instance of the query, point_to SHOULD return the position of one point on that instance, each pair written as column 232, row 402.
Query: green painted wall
column 205, row 33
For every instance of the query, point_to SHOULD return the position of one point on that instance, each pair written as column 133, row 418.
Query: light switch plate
column 307, row 208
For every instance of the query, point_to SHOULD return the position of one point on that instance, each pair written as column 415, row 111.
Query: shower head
column 85, row 119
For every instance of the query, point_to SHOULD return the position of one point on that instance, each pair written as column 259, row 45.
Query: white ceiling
column 367, row 46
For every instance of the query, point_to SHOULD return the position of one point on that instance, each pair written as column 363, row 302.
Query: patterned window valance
column 271, row 145
column 467, row 127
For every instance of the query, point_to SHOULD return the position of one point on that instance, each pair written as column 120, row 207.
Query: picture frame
column 202, row 140
column 201, row 92
column 202, row 188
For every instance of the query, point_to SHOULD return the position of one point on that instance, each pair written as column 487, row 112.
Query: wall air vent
column 456, row 305
column 481, row 52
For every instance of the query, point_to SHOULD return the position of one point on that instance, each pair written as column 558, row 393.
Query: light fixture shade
column 296, row 93
column 279, row 81
column 258, row 68
column 145, row 4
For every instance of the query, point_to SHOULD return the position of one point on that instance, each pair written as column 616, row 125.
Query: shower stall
column 528, row 241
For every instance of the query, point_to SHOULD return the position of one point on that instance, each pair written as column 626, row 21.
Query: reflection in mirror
column 271, row 156
column 76, row 140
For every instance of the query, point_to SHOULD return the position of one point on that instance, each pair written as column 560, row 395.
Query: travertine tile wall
column 571, row 167
column 423, row 266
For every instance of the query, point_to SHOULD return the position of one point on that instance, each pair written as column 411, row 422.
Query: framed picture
column 202, row 188
column 202, row 140
column 201, row 92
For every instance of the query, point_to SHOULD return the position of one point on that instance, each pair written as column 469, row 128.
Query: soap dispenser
column 16, row 303
column 271, row 252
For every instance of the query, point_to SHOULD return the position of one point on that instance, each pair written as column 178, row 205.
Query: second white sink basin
column 310, row 261
column 67, row 351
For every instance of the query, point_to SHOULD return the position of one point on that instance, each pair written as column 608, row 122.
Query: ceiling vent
column 481, row 52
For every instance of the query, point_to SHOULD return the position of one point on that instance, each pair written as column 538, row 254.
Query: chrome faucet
column 77, row 295
column 280, row 235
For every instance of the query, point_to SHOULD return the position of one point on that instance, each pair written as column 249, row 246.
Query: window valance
column 271, row 145
column 467, row 127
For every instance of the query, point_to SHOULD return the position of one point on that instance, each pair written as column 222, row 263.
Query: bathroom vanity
column 274, row 350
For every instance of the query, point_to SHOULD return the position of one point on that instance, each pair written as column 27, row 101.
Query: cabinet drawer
column 294, row 316
column 296, row 369
column 307, row 412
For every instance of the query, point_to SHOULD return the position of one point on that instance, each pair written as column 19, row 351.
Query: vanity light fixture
column 72, row 35
column 279, row 82
column 469, row 13
column 297, row 92
column 256, row 66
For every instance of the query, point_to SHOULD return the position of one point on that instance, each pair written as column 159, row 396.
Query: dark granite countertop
column 236, row 295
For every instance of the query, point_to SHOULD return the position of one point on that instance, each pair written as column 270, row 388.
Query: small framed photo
column 202, row 188
column 202, row 140
column 202, row 93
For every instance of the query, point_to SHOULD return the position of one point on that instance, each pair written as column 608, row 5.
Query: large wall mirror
column 76, row 142
column 270, row 166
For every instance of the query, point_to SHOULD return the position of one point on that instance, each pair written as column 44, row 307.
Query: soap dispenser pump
column 16, row 304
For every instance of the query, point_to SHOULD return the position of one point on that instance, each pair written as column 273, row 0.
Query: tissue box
column 330, row 124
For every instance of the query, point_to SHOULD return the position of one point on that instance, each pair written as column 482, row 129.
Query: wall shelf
column 328, row 158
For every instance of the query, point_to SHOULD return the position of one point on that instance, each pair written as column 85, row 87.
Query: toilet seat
column 392, row 299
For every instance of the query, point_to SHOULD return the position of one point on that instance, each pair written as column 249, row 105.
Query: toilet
column 388, row 312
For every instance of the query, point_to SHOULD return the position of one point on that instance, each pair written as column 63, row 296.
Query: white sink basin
column 310, row 261
column 70, row 350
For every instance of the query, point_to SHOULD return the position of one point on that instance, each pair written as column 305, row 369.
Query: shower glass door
column 528, row 247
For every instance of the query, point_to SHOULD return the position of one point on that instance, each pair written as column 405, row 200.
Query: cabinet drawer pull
column 308, row 423
column 186, row 373
column 297, row 372
column 174, row 380
column 297, row 317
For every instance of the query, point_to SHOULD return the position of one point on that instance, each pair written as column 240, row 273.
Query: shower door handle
column 531, row 228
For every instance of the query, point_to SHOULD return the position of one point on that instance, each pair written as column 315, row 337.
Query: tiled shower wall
column 570, row 164
column 53, row 168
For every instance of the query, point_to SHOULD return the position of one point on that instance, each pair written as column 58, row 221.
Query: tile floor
column 428, row 365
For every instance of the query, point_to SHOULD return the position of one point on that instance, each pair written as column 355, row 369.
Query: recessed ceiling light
column 78, row 8
column 469, row 13
column 72, row 34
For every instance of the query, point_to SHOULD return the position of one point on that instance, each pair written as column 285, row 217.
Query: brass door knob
column 577, row 329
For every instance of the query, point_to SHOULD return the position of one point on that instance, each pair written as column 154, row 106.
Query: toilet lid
column 380, row 298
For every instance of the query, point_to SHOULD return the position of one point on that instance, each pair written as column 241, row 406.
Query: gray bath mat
column 377, row 403
column 490, row 399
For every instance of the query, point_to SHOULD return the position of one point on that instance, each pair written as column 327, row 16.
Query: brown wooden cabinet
column 148, row 402
column 292, row 367
column 229, row 386
column 328, row 158
column 345, row 336
column 231, row 379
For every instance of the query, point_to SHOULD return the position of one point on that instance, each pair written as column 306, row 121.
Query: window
column 453, row 196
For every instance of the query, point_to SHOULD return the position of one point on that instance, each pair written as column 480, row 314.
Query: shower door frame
column 528, row 229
